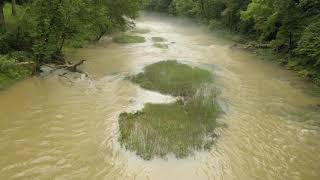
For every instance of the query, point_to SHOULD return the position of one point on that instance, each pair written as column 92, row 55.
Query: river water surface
column 61, row 128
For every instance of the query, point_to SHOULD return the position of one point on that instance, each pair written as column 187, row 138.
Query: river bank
column 288, row 30
column 267, row 52
column 309, row 73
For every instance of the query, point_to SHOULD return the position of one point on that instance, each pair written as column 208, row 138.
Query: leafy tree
column 276, row 21
column 309, row 45
column 232, row 12
column 289, row 17
column 53, row 24
column 209, row 9
column 184, row 7
column 215, row 8
column 261, row 12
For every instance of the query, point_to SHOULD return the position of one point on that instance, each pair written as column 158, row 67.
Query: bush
column 21, row 56
column 7, row 41
column 14, row 41
column 10, row 71
column 9, row 67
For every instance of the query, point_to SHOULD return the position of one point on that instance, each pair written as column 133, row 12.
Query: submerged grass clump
column 178, row 128
column 161, row 46
column 128, row 39
column 158, row 42
column 172, row 78
column 158, row 39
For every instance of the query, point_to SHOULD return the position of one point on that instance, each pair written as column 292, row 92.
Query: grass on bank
column 179, row 128
column 128, row 39
column 11, row 72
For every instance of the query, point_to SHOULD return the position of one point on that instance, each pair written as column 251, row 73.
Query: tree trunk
column 14, row 10
column 2, row 21
column 290, row 44
column 204, row 12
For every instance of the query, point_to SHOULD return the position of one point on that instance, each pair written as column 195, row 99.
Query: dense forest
column 291, row 28
column 37, row 31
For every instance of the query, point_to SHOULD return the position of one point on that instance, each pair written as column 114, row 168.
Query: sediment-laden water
column 55, row 127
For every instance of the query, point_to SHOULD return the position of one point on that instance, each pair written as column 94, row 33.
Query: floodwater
column 65, row 128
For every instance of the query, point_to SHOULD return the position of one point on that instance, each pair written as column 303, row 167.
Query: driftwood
column 70, row 67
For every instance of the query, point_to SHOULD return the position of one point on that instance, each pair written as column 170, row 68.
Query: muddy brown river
column 61, row 128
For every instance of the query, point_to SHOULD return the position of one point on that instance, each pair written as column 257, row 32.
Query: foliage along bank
column 44, row 28
column 289, row 27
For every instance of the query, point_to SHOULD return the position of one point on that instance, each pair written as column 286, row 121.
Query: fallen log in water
column 70, row 67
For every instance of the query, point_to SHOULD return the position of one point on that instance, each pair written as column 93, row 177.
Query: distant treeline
column 289, row 27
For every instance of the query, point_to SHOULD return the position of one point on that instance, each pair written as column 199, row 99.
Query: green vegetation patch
column 10, row 71
column 158, row 39
column 173, row 78
column 13, row 21
column 161, row 46
column 128, row 39
column 178, row 128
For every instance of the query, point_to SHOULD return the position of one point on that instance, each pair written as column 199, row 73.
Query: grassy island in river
column 178, row 128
